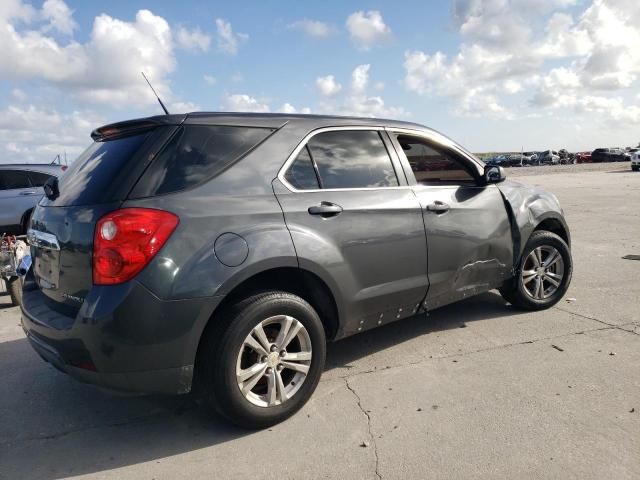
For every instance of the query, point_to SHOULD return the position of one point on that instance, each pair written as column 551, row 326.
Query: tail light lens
column 126, row 240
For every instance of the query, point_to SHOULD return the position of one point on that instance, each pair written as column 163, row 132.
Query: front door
column 468, row 230
column 355, row 224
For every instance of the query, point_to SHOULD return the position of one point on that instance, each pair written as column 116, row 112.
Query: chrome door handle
column 28, row 192
column 438, row 207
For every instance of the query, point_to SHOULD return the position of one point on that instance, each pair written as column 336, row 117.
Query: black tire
column 14, row 287
column 635, row 169
column 220, row 346
column 514, row 291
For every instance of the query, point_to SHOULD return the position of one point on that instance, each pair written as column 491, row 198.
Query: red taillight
column 126, row 240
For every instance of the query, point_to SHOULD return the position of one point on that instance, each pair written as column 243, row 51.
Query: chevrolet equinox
column 220, row 252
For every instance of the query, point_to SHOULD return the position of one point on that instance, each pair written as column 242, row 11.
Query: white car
column 635, row 159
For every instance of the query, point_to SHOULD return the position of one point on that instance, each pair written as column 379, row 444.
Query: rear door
column 356, row 224
column 468, row 230
column 16, row 197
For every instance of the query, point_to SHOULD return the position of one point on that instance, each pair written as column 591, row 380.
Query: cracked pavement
column 474, row 390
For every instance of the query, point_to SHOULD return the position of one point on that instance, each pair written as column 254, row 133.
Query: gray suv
column 21, row 188
column 220, row 252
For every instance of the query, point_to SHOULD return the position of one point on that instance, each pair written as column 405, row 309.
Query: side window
column 302, row 174
column 38, row 179
column 352, row 159
column 195, row 154
column 13, row 179
column 434, row 167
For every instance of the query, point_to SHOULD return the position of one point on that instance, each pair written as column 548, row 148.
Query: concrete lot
column 475, row 390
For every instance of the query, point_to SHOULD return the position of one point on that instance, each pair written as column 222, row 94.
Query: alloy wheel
column 274, row 361
column 542, row 272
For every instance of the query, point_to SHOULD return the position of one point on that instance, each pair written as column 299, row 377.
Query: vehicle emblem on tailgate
column 66, row 296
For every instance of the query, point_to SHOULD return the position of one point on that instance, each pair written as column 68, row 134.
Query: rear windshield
column 195, row 154
column 92, row 177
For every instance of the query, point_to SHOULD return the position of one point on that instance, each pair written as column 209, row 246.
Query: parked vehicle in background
column 513, row 160
column 583, row 157
column 496, row 160
column 610, row 155
column 219, row 251
column 21, row 188
column 566, row 157
column 530, row 158
column 548, row 157
column 635, row 159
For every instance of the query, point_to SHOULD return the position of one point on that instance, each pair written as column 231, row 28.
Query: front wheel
column 262, row 360
column 544, row 273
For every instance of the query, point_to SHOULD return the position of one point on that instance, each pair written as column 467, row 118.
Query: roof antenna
column 154, row 92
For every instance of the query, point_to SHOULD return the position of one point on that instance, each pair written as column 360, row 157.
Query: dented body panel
column 528, row 207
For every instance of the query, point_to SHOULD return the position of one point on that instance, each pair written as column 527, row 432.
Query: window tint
column 301, row 174
column 11, row 179
column 352, row 159
column 38, row 179
column 92, row 177
column 195, row 154
column 432, row 167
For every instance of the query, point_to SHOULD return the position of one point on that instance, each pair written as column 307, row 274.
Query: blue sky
column 492, row 74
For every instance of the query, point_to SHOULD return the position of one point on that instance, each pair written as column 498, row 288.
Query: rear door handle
column 438, row 207
column 325, row 209
column 28, row 192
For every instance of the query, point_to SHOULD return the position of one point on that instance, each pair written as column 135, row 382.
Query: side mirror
column 494, row 174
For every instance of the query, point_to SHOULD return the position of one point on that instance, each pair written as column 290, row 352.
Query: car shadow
column 53, row 426
column 458, row 315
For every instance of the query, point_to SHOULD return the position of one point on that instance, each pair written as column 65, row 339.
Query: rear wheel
column 262, row 359
column 544, row 273
column 14, row 287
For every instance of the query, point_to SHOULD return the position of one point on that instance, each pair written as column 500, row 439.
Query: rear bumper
column 122, row 338
column 170, row 380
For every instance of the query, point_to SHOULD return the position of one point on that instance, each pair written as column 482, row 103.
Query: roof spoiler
column 134, row 127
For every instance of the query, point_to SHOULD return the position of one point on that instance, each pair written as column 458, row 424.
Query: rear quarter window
column 195, row 154
column 96, row 175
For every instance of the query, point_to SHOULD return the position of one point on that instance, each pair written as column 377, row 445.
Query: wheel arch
column 24, row 220
column 298, row 281
column 555, row 225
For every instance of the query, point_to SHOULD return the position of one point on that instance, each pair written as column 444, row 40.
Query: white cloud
column 360, row 79
column 288, row 108
column 313, row 28
column 60, row 16
column 183, row 107
column 228, row 41
column 193, row 40
column 210, row 79
column 327, row 85
column 359, row 103
column 244, row 103
column 532, row 48
column 97, row 70
column 18, row 95
column 367, row 29
column 512, row 86
column 55, row 134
